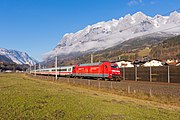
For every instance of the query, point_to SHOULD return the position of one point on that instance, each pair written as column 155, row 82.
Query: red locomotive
column 105, row 70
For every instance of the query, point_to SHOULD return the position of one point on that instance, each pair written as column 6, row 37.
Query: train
column 99, row 70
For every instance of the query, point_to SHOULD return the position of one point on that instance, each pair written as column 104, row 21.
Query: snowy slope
column 18, row 57
column 107, row 34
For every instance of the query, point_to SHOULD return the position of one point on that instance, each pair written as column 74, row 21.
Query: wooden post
column 135, row 73
column 68, row 80
column 150, row 74
column 89, row 82
column 128, row 89
column 111, row 85
column 99, row 84
column 168, row 75
column 124, row 78
column 134, row 91
column 150, row 92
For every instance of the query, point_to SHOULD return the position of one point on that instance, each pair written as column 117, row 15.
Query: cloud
column 152, row 2
column 135, row 2
column 132, row 2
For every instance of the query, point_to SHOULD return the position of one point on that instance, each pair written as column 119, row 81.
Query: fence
column 169, row 74
column 123, row 87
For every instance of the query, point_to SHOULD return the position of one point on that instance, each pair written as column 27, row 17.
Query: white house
column 171, row 61
column 153, row 63
column 178, row 64
column 124, row 64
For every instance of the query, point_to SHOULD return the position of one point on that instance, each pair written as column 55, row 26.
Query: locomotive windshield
column 114, row 66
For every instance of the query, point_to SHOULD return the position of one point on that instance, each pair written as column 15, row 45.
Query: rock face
column 17, row 56
column 108, row 34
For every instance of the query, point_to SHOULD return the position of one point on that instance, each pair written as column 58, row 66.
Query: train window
column 69, row 69
column 63, row 70
column 114, row 66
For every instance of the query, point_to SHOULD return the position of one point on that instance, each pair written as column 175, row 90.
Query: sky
column 37, row 26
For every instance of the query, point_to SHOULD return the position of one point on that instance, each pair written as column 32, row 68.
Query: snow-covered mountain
column 108, row 34
column 17, row 56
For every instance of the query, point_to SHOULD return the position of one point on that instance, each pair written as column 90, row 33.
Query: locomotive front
column 115, row 72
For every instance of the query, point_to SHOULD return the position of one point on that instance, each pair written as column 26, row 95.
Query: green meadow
column 24, row 98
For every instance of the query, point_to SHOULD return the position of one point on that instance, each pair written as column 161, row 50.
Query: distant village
column 124, row 63
column 148, row 63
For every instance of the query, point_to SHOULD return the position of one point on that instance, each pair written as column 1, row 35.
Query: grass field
column 22, row 97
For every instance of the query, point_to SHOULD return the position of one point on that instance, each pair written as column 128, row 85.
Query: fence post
column 134, row 91
column 150, row 92
column 99, row 84
column 135, row 72
column 111, row 85
column 150, row 74
column 124, row 73
column 128, row 89
column 168, row 75
column 89, row 83
column 68, row 80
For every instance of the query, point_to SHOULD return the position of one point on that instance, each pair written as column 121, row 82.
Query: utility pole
column 56, row 65
column 35, row 69
column 91, row 58
column 30, row 69
column 150, row 73
column 39, row 66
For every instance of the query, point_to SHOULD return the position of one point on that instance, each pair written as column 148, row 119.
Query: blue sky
column 36, row 26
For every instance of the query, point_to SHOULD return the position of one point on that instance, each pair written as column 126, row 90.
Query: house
column 153, row 63
column 8, row 71
column 178, row 64
column 171, row 62
column 125, row 64
column 138, row 63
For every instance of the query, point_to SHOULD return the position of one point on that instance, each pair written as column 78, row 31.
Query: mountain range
column 14, row 56
column 103, row 35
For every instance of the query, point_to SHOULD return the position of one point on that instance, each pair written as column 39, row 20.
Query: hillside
column 168, row 49
column 156, row 48
column 4, row 59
